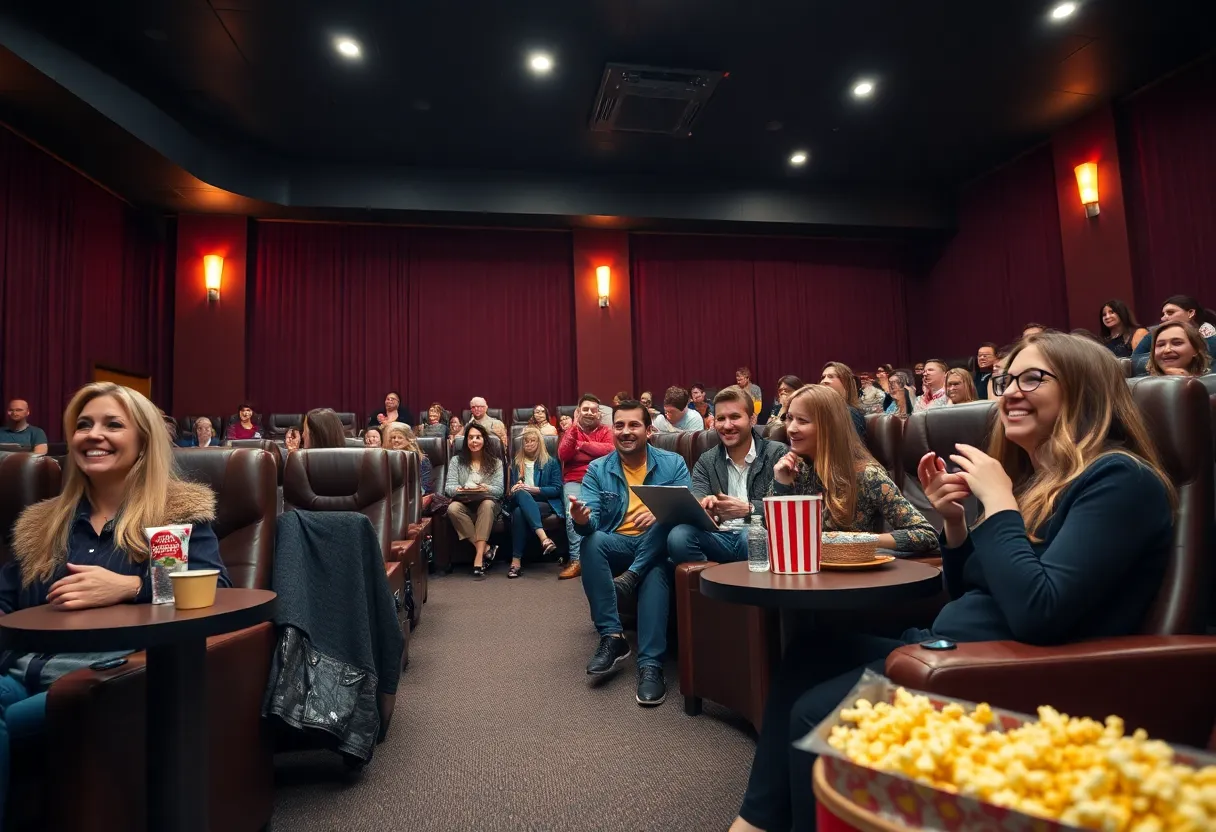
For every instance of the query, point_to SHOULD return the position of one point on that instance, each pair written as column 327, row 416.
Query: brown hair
column 1097, row 417
column 845, row 374
column 324, row 429
column 676, row 397
column 839, row 452
column 735, row 393
column 968, row 383
column 1199, row 365
column 532, row 418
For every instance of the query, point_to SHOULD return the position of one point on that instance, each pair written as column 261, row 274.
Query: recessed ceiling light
column 1063, row 10
column 863, row 88
column 348, row 47
column 798, row 159
column 540, row 62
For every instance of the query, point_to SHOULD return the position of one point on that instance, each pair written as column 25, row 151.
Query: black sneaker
column 652, row 690
column 612, row 651
column 625, row 584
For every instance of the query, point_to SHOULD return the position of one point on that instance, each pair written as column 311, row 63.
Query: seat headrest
column 1177, row 413
column 941, row 428
column 336, row 479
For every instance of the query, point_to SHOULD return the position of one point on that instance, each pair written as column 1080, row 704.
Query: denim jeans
column 689, row 544
column 607, row 554
column 526, row 516
column 574, row 539
column 21, row 716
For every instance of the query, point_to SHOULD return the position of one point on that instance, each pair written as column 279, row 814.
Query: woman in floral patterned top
column 861, row 496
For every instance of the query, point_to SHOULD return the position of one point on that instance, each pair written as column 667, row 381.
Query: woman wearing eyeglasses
column 1053, row 560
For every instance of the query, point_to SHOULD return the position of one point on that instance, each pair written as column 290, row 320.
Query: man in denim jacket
column 623, row 539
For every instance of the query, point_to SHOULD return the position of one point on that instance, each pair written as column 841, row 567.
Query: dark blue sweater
column 1096, row 572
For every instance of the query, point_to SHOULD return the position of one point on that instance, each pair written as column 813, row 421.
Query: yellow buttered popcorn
column 1078, row 771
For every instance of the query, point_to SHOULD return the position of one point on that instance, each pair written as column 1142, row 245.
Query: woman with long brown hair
column 323, row 429
column 960, row 386
column 840, row 378
column 1055, row 558
column 1178, row 350
column 540, row 421
column 87, row 547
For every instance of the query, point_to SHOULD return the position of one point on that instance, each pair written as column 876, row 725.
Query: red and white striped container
column 794, row 528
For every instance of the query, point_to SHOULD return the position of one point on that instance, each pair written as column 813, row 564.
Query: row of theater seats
column 728, row 652
column 94, row 718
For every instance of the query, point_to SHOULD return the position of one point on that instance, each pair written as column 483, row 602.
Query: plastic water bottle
column 757, row 545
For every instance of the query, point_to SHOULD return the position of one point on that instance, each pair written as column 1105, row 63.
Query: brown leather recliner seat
column 1162, row 680
column 349, row 479
column 25, row 479
column 885, row 441
column 94, row 720
column 492, row 412
column 404, row 549
column 278, row 423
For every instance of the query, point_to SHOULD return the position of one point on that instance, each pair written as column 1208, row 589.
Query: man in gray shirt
column 19, row 431
column 743, row 378
column 676, row 415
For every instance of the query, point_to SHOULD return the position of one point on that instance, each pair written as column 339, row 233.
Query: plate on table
column 881, row 560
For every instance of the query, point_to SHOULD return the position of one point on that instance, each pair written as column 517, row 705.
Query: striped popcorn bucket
column 794, row 527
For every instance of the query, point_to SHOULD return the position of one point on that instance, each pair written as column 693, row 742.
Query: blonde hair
column 542, row 453
column 1097, row 418
column 389, row 428
column 845, row 374
column 839, row 452
column 1199, row 365
column 968, row 383
column 147, row 485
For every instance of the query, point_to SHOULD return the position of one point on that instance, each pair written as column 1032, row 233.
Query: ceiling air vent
column 648, row 99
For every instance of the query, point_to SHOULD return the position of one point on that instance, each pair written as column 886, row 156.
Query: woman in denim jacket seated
column 535, row 493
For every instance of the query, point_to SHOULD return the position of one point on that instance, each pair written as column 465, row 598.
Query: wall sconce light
column 603, row 278
column 1087, row 184
column 213, row 273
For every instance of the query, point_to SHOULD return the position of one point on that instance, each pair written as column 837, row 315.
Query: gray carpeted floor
column 497, row 727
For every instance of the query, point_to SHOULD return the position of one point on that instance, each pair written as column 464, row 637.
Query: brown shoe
column 572, row 570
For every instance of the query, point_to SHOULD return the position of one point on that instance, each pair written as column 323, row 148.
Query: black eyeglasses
column 1027, row 381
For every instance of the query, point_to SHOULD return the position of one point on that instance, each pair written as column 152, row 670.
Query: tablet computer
column 675, row 504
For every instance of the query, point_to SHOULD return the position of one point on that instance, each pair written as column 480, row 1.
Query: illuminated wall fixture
column 213, row 272
column 603, row 278
column 1087, row 184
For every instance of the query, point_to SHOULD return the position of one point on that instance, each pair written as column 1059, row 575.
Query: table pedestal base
column 178, row 780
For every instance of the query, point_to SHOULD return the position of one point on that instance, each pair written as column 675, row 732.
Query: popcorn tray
column 903, row 800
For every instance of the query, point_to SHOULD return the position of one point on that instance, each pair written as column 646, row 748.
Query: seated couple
column 1053, row 559
column 623, row 539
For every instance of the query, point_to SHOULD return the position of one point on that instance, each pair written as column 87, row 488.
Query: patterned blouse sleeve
column 912, row 532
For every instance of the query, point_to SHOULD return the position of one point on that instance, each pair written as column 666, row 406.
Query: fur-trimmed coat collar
column 186, row 502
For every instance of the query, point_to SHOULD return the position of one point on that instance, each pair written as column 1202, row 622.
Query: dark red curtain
column 82, row 282
column 704, row 306
column 1168, row 153
column 339, row 314
column 1002, row 269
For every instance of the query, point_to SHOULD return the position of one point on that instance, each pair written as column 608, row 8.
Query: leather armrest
column 688, row 582
column 1164, row 684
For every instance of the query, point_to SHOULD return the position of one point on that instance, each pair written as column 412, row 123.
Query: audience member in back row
column 478, row 407
column 918, row 377
column 934, row 386
column 393, row 411
column 293, row 439
column 985, row 360
column 839, row 377
column 1179, row 308
column 564, row 423
column 697, row 401
column 372, row 437
column 1121, row 333
column 323, row 429
column 434, row 424
column 786, row 386
column 899, row 396
column 86, row 548
column 960, row 387
column 454, row 429
column 540, row 421
column 620, row 396
column 243, row 426
column 1033, row 328
column 399, row 436
column 730, row 481
column 623, row 539
column 870, row 394
column 1178, row 351
column 535, row 493
column 202, row 434
column 647, row 401
column 743, row 378
column 475, row 486
column 19, row 431
column 586, row 441
column 1054, row 561
column 676, row 415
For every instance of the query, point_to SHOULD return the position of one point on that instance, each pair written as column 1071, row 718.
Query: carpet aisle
column 497, row 727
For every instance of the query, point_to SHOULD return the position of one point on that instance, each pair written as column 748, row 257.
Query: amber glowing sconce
column 213, row 273
column 1087, row 184
column 603, row 279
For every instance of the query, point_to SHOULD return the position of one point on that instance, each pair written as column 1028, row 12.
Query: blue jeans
column 574, row 540
column 21, row 716
column 689, row 544
column 526, row 516
column 607, row 554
